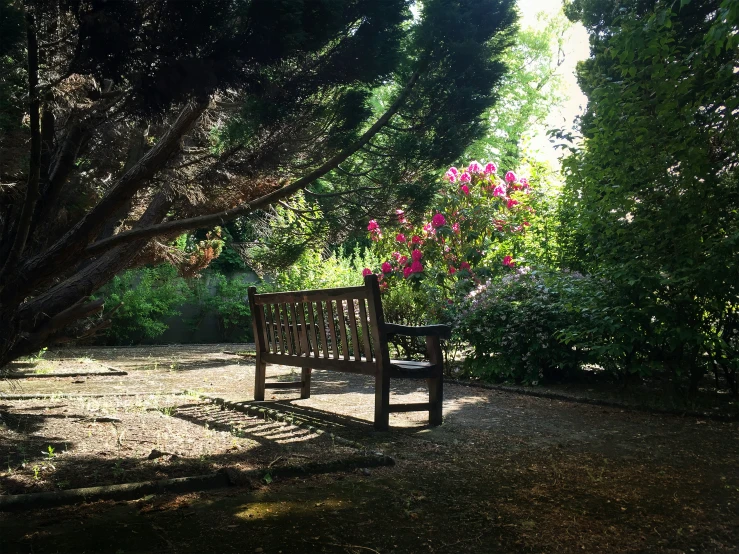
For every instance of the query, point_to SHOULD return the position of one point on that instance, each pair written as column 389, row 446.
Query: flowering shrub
column 473, row 214
column 513, row 326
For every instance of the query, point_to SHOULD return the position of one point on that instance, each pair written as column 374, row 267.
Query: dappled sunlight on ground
column 504, row 473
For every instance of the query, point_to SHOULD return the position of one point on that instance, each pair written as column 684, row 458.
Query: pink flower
column 455, row 227
column 490, row 168
column 465, row 178
column 451, row 176
column 396, row 256
column 384, row 286
column 499, row 191
column 400, row 237
column 406, row 272
column 508, row 261
column 428, row 228
column 453, row 170
column 403, row 260
column 475, row 168
column 416, row 239
column 510, row 177
column 452, row 271
column 416, row 255
column 524, row 182
column 386, row 267
column 373, row 226
column 416, row 267
column 526, row 224
column 465, row 189
column 438, row 220
column 401, row 216
column 464, row 265
column 366, row 271
column 511, row 203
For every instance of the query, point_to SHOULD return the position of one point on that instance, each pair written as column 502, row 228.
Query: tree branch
column 75, row 240
column 220, row 218
column 47, row 141
column 341, row 193
column 34, row 172
column 92, row 276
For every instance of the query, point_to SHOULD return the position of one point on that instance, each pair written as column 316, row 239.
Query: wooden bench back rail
column 341, row 329
column 334, row 325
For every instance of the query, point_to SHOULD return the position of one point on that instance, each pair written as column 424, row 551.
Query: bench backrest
column 340, row 329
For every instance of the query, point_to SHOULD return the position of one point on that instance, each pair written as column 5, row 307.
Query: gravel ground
column 505, row 473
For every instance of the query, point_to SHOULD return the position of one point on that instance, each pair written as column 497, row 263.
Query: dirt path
column 505, row 473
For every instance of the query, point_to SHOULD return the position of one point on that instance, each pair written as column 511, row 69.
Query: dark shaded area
column 504, row 473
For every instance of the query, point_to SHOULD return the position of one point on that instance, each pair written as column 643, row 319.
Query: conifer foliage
column 125, row 124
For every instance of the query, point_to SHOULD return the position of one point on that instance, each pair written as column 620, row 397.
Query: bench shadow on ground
column 268, row 443
column 340, row 424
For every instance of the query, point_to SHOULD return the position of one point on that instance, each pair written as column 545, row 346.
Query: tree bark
column 36, row 321
column 32, row 187
column 68, row 248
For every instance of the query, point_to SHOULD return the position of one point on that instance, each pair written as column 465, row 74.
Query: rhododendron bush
column 470, row 231
column 514, row 325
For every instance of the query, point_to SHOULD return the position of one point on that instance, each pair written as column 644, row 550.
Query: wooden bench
column 342, row 330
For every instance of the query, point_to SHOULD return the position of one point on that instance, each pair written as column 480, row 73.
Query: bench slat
column 321, row 322
column 272, row 328
column 366, row 333
column 302, row 329
column 342, row 329
column 350, row 306
column 286, row 330
column 263, row 340
column 280, row 329
column 332, row 329
column 313, row 336
column 294, row 329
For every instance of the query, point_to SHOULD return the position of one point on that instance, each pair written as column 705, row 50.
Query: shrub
column 149, row 296
column 314, row 271
column 473, row 215
column 512, row 325
column 231, row 303
column 607, row 325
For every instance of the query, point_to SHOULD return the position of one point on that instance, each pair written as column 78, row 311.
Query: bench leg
column 261, row 377
column 382, row 400
column 436, row 399
column 436, row 383
column 305, row 389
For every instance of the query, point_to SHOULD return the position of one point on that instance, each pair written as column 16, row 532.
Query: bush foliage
column 513, row 326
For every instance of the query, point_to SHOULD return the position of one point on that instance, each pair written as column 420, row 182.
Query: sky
column 576, row 49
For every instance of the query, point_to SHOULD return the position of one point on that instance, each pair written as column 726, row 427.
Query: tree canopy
column 125, row 124
column 652, row 195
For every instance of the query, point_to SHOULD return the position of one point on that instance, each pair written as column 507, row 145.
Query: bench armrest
column 441, row 331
